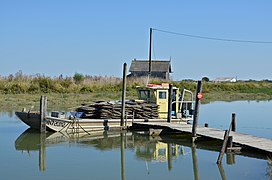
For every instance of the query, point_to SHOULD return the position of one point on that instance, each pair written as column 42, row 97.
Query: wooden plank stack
column 112, row 110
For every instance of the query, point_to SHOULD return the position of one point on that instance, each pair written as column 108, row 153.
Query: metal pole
column 196, row 113
column 123, row 95
column 169, row 112
column 150, row 50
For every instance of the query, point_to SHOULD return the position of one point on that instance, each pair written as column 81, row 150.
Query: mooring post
column 196, row 113
column 230, row 142
column 169, row 113
column 43, row 109
column 223, row 148
column 233, row 122
column 124, row 95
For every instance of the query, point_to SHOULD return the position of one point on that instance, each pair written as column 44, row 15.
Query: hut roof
column 156, row 66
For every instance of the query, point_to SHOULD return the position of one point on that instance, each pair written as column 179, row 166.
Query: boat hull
column 89, row 125
column 80, row 125
column 32, row 119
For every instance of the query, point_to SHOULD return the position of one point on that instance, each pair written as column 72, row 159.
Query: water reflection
column 156, row 155
column 148, row 149
column 222, row 172
column 122, row 156
column 9, row 114
column 269, row 167
column 33, row 140
column 195, row 164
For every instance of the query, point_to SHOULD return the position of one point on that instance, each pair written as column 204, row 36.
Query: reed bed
column 109, row 86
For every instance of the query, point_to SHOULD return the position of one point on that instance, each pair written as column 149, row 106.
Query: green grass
column 21, row 91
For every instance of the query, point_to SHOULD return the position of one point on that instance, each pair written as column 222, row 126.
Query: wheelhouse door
column 162, row 101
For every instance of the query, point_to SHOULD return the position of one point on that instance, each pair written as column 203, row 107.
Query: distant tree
column 78, row 78
column 19, row 75
column 206, row 79
column 10, row 77
column 60, row 77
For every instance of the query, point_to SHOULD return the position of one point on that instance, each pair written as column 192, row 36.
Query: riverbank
column 70, row 101
column 20, row 90
column 55, row 101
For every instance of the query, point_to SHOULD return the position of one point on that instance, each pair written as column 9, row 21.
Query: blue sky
column 96, row 37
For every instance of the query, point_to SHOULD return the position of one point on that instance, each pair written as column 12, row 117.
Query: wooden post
column 169, row 112
column 230, row 142
column 123, row 95
column 233, row 122
column 196, row 113
column 43, row 109
column 223, row 148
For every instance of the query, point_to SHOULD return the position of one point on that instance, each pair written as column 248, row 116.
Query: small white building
column 225, row 79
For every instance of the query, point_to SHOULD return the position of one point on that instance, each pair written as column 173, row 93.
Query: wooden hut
column 159, row 68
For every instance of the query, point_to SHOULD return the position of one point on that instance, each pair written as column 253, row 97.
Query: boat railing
column 185, row 107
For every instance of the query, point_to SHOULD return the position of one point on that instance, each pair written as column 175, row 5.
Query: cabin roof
column 156, row 66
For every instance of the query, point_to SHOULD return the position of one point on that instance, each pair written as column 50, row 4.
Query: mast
column 150, row 43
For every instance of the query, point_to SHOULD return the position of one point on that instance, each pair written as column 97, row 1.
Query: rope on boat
column 84, row 129
column 76, row 127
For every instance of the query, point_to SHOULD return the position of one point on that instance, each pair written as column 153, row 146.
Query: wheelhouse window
column 144, row 94
column 162, row 95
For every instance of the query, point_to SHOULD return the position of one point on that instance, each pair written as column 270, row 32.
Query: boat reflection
column 156, row 149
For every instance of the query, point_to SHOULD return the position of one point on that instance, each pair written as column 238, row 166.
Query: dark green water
column 26, row 154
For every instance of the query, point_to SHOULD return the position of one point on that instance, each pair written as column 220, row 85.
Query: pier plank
column 251, row 141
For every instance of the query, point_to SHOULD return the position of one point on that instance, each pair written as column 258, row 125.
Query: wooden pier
column 244, row 140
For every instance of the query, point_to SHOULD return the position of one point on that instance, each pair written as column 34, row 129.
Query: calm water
column 28, row 155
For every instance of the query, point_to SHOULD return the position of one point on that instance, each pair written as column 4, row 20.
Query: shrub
column 86, row 89
column 66, row 83
column 206, row 79
column 34, row 88
column 78, row 78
